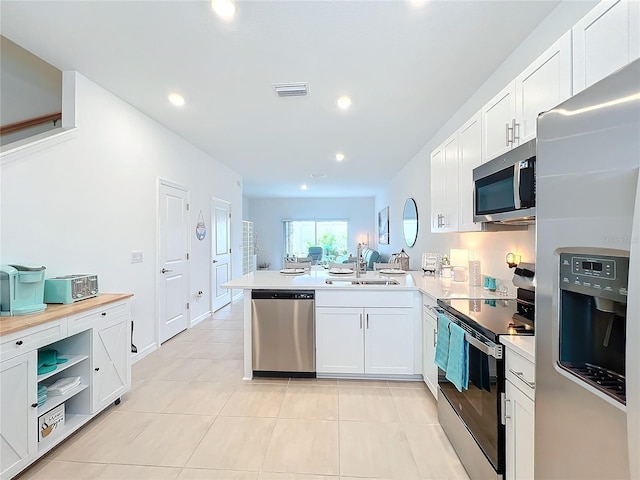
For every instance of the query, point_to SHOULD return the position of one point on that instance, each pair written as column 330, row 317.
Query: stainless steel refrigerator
column 587, row 413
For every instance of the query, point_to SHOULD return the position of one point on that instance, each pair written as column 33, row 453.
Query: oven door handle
column 479, row 341
column 490, row 349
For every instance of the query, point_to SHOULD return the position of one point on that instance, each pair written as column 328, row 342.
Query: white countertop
column 525, row 345
column 435, row 287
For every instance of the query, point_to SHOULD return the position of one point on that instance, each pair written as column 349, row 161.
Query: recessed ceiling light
column 417, row 3
column 344, row 102
column 339, row 157
column 303, row 187
column 225, row 9
column 176, row 99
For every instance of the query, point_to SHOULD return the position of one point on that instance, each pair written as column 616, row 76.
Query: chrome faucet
column 358, row 255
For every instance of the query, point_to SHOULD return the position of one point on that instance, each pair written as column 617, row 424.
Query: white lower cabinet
column 18, row 407
column 111, row 362
column 339, row 340
column 429, row 338
column 519, row 416
column 519, row 434
column 95, row 345
column 354, row 340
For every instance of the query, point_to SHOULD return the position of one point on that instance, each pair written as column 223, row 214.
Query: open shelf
column 72, row 422
column 55, row 400
column 72, row 360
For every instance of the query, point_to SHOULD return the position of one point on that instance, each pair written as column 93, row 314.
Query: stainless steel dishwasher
column 283, row 333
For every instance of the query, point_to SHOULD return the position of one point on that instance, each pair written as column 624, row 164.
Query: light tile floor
column 190, row 415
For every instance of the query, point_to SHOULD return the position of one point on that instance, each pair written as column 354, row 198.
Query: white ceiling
column 407, row 69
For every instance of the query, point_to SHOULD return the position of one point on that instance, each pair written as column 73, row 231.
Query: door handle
column 164, row 270
column 214, row 261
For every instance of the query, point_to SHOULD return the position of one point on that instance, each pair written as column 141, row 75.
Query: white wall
column 414, row 179
column 29, row 87
column 83, row 205
column 267, row 215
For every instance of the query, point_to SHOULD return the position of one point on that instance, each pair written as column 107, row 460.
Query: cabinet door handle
column 104, row 314
column 435, row 335
column 19, row 342
column 97, row 369
column 507, row 132
column 503, row 408
column 164, row 270
column 34, row 405
column 367, row 320
column 520, row 375
column 360, row 321
column 513, row 129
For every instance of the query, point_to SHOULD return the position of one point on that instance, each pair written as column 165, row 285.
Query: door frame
column 168, row 183
column 212, row 200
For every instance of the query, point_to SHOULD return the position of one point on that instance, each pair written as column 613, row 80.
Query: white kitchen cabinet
column 388, row 341
column 470, row 157
column 498, row 118
column 604, row 40
column 18, row 408
column 111, row 361
column 509, row 118
column 541, row 86
column 444, row 186
column 429, row 338
column 374, row 341
column 520, row 421
column 519, row 416
column 339, row 340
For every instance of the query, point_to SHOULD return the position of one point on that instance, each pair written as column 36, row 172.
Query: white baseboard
column 200, row 318
column 136, row 357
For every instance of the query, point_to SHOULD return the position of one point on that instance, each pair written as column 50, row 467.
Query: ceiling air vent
column 292, row 89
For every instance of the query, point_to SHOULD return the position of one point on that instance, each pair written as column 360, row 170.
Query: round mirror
column 410, row 222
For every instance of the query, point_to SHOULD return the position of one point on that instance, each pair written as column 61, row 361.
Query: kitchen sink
column 361, row 281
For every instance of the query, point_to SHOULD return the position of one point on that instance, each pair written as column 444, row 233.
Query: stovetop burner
column 492, row 317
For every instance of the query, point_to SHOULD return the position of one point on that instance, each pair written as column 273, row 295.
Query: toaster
column 70, row 288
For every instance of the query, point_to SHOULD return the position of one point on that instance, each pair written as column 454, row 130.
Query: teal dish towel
column 458, row 364
column 442, row 339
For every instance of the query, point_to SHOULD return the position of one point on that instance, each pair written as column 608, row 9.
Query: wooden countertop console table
column 93, row 335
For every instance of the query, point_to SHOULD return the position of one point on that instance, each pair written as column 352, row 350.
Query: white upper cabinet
column 606, row 39
column 444, row 186
column 543, row 85
column 509, row 118
column 470, row 157
column 498, row 118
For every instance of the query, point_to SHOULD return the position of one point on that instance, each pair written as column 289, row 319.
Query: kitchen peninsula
column 389, row 316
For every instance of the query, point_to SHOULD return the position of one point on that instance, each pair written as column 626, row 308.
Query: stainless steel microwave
column 504, row 189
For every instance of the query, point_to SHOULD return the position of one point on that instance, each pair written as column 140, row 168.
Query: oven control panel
column 602, row 276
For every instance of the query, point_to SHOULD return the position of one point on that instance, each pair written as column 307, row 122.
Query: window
column 331, row 235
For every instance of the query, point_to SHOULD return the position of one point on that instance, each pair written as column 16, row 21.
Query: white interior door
column 220, row 252
column 173, row 274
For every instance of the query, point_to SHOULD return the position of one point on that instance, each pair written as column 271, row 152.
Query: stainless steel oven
column 474, row 418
